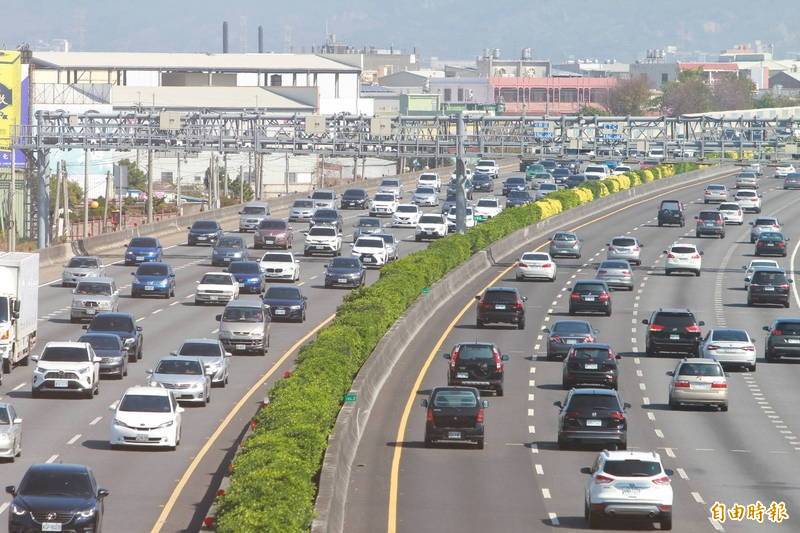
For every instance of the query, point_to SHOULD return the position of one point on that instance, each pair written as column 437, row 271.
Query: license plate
column 226, row 259
column 269, row 240
column 140, row 258
column 280, row 311
column 241, row 283
column 589, row 298
column 631, row 493
column 594, row 423
column 770, row 244
column 141, row 437
column 572, row 341
column 150, row 288
column 793, row 341
column 212, row 298
column 500, row 307
column 769, row 289
column 341, row 280
column 240, row 346
column 674, row 337
column 701, row 386
column 61, row 384
column 91, row 311
column 368, row 260
column 590, row 366
column 51, row 526
column 462, row 375
column 453, row 434
column 201, row 238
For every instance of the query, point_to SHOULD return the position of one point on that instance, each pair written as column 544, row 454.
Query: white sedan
column 732, row 213
column 280, row 266
column 536, row 265
column 756, row 264
column 730, row 347
column 683, row 258
column 371, row 250
column 469, row 218
column 487, row 208
column 146, row 416
column 216, row 288
column 406, row 215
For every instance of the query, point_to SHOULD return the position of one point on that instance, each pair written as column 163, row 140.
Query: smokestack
column 261, row 39
column 225, row 37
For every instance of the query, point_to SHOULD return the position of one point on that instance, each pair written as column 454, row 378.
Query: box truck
column 19, row 307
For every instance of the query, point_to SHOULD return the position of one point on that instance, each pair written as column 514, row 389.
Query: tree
column 74, row 192
column 137, row 178
column 769, row 100
column 233, row 190
column 592, row 111
column 630, row 97
column 733, row 92
column 688, row 94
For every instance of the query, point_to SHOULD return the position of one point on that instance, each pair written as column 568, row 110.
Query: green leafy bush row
column 275, row 474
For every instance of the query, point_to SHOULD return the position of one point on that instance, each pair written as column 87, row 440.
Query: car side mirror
column 218, row 318
column 701, row 323
column 173, row 353
column 586, row 470
column 477, row 296
column 524, row 298
column 96, row 359
column 149, row 371
column 545, row 329
column 179, row 409
column 504, row 357
column 485, row 403
column 557, row 403
column 102, row 493
column 618, row 356
column 34, row 358
column 744, row 267
column 424, row 403
column 701, row 252
column 11, row 489
column 228, row 354
column 112, row 407
column 669, row 472
column 188, row 227
column 138, row 328
column 766, row 328
column 133, row 273
column 626, row 405
column 85, row 326
column 670, row 373
column 446, row 355
column 17, row 421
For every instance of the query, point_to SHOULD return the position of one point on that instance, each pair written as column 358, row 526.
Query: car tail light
column 600, row 479
column 617, row 415
column 547, row 265
column 665, row 508
column 521, row 264
column 479, row 417
column 781, row 244
column 626, row 272
column 498, row 361
column 518, row 304
column 681, row 384
column 784, row 286
column 775, row 331
column 604, row 296
column 719, row 385
column 454, row 356
column 663, row 480
column 695, row 256
column 429, row 416
column 588, row 339
column 656, row 327
column 602, row 271
column 712, row 347
column 555, row 338
column 692, row 329
column 670, row 255
column 574, row 296
column 571, row 415
column 485, row 305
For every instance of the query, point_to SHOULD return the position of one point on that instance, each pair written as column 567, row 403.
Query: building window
column 599, row 96
column 275, row 80
column 569, row 95
column 538, row 95
column 460, row 94
column 509, row 95
column 448, row 95
column 664, row 77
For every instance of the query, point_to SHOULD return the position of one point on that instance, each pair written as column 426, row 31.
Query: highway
column 521, row 481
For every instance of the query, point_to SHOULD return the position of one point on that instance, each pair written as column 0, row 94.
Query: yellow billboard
column 10, row 94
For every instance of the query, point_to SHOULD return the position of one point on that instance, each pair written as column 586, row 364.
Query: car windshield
column 254, row 210
column 183, row 367
column 112, row 323
column 369, row 243
column 41, row 482
column 407, row 209
column 345, row 262
column 674, row 320
column 230, row 242
column 145, row 403
column 757, row 264
column 243, row 314
column 765, row 222
column 102, row 342
column 535, row 257
column 683, row 250
column 4, row 418
column 317, row 231
column 65, row 354
column 632, row 468
column 354, row 193
column 485, row 202
column 384, row 198
column 582, row 402
column 709, row 215
column 591, row 354
column 322, row 195
column 205, row 225
column 282, row 293
column 216, row 279
column 143, row 242
column 425, row 190
column 472, row 352
column 746, row 194
column 93, row 287
column 615, row 265
column 729, row 207
column 303, row 203
column 325, row 213
column 700, row 369
column 244, row 267
column 564, row 237
column 716, row 187
column 570, row 328
column 455, row 398
column 623, row 241
column 272, row 224
column 152, row 270
column 499, row 296
column 762, row 277
column 788, row 328
column 82, row 262
column 369, row 223
column 730, row 335
column 588, row 288
column 430, row 219
column 276, row 258
column 200, row 349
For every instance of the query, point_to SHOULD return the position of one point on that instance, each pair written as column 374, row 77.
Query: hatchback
column 564, row 334
column 354, row 199
column 590, row 364
column 153, row 279
column 536, row 265
column 730, row 347
column 143, row 250
column 698, row 382
column 229, row 248
column 591, row 295
column 595, row 416
column 626, row 248
column 671, row 212
column 710, row 223
column 750, row 201
column 454, row 415
column 476, row 364
column 285, row 303
column 683, row 258
column 146, row 416
column 514, row 183
column 501, row 305
column 732, row 213
column 769, row 286
column 273, row 233
column 771, row 243
column 783, row 339
column 672, row 330
column 617, row 274
column 518, row 198
column 565, row 244
column 204, row 232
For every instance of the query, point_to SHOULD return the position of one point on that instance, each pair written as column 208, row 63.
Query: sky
column 451, row 29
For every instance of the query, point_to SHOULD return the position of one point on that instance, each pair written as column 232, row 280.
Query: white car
column 620, row 169
column 216, row 287
column 469, row 218
column 323, row 239
column 371, row 250
column 406, row 215
column 730, row 347
column 756, row 168
column 391, row 186
column 487, row 166
column 783, row 170
column 280, row 266
column 756, row 264
column 598, row 171
column 627, row 484
column 430, row 226
column 324, row 198
column 655, row 153
column 383, row 204
column 750, row 201
column 70, row 367
column 429, row 179
column 487, row 208
column 683, row 258
column 10, row 432
column 536, row 265
column 732, row 213
column 425, row 196
column 146, row 416
column 747, row 182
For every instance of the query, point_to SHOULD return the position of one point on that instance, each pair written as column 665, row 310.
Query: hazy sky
column 555, row 29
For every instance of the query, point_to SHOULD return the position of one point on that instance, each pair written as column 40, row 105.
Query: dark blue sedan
column 229, row 248
column 143, row 250
column 248, row 274
column 285, row 303
column 153, row 279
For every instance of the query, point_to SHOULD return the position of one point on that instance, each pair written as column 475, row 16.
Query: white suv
column 383, row 204
column 488, row 166
column 429, row 179
column 627, row 484
column 371, row 250
column 431, row 226
column 66, row 367
column 748, row 200
column 323, row 239
column 683, row 258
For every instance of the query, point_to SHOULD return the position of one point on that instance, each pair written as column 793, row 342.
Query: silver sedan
column 625, row 248
column 425, row 196
column 81, row 267
column 616, row 273
column 212, row 354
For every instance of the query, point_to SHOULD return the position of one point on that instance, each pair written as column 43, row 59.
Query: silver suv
column 244, row 327
column 92, row 296
column 252, row 214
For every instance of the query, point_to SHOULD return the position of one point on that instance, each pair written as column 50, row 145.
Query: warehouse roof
column 294, row 99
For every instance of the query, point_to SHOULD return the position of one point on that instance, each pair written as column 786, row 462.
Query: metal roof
column 191, row 62
column 212, row 98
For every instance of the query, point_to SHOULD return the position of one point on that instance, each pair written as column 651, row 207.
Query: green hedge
column 275, row 473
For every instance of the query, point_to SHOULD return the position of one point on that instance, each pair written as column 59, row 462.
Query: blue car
column 611, row 164
column 153, row 279
column 229, row 248
column 285, row 303
column 143, row 250
column 248, row 274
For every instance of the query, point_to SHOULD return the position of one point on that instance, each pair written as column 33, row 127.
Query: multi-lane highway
column 521, row 481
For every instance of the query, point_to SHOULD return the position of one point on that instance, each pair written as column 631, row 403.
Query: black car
column 122, row 325
column 671, row 212
column 769, row 286
column 476, row 364
column 590, row 296
column 355, row 199
column 204, row 232
column 771, row 243
column 595, row 416
column 561, row 174
column 56, row 497
column 454, row 415
column 326, row 217
column 482, row 183
column 590, row 364
column 449, row 201
column 783, row 339
column 564, row 334
column 501, row 305
column 518, row 198
column 345, row 272
column 672, row 330
column 514, row 183
column 576, row 180
column 285, row 303
column 791, row 181
column 113, row 355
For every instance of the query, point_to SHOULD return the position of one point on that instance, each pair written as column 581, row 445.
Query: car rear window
column 709, row 215
column 788, row 328
column 700, row 369
column 322, row 195
column 606, row 402
column 674, row 320
column 564, row 237
column 589, row 287
column 716, row 187
column 746, row 194
column 632, row 468
column 590, row 354
column 765, row 222
column 670, row 206
column 272, row 224
column 729, row 207
column 570, row 327
column 683, row 250
column 623, row 241
column 500, row 296
column 472, row 352
column 730, row 335
column 455, row 398
column 768, row 278
column 535, row 257
column 616, row 265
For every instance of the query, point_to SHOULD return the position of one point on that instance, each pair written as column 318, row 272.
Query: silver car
column 627, row 248
column 425, row 196
column 367, row 226
column 185, row 377
column 698, row 382
column 617, row 274
column 301, row 210
column 730, row 347
column 93, row 296
column 392, row 245
column 715, row 193
column 545, row 189
column 763, row 224
column 212, row 354
column 81, row 267
column 324, row 198
column 565, row 243
column 10, row 432
column 252, row 214
column 244, row 327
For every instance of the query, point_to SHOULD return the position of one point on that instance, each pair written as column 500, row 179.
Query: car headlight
column 237, row 254
column 165, row 424
column 254, row 280
column 294, row 307
column 162, row 283
column 88, row 513
column 120, row 423
column 17, row 510
column 129, row 341
column 4, row 437
column 85, row 370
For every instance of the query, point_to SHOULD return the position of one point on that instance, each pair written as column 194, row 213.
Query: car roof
column 475, row 343
column 594, row 345
column 442, row 389
column 770, row 269
column 58, row 467
column 674, row 310
column 501, row 289
column 699, row 360
column 203, row 341
column 594, row 392
column 65, row 344
column 620, row 455
column 592, row 281
column 177, row 358
column 99, row 280
column 217, row 272
column 253, row 304
column 116, row 314
column 144, row 390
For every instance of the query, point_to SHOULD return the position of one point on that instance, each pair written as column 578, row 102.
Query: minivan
column 244, row 327
column 252, row 214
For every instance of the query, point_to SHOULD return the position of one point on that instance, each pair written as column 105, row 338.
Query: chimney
column 225, row 37
column 261, row 39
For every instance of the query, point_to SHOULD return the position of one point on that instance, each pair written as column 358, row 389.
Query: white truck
column 19, row 307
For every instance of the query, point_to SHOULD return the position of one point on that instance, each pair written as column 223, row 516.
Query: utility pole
column 108, row 196
column 217, row 199
column 322, row 172
column 260, row 176
column 56, row 217
column 225, row 173
column 241, row 184
column 149, row 185
column 363, row 168
column 12, row 226
column 178, row 204
column 85, row 232
column 286, row 173
column 461, row 196
column 250, row 169
column 65, row 190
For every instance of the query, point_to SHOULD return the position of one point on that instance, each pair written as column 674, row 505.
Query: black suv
column 594, row 416
column 455, row 415
column 783, row 339
column 771, row 243
column 590, row 364
column 501, row 305
column 769, row 286
column 354, row 199
column 476, row 364
column 326, row 217
column 124, row 326
column 673, row 330
column 592, row 295
column 671, row 212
